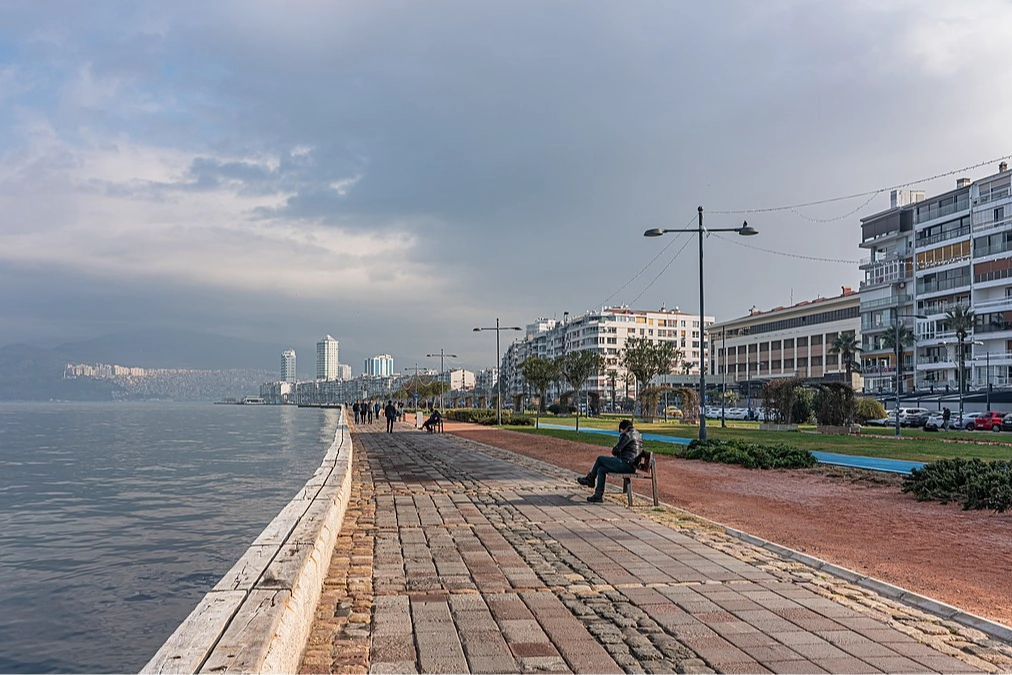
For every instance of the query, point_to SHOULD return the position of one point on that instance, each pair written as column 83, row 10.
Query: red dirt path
column 853, row 518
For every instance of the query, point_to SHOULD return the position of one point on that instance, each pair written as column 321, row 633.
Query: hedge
column 488, row 417
column 974, row 483
column 750, row 455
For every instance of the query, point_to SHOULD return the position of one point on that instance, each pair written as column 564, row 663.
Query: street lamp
column 987, row 373
column 498, row 379
column 442, row 369
column 744, row 230
column 899, row 361
column 723, row 376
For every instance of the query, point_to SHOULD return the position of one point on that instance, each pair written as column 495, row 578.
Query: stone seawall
column 257, row 618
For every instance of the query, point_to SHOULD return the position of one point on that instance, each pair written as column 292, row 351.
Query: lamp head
column 653, row 232
column 477, row 330
column 747, row 230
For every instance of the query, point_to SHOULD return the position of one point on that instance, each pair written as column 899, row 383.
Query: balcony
column 998, row 305
column 889, row 273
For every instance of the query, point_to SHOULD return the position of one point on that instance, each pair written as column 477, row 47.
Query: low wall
column 257, row 618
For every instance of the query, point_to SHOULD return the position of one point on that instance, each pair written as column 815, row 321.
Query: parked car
column 965, row 422
column 989, row 421
column 934, row 421
column 1006, row 422
column 919, row 418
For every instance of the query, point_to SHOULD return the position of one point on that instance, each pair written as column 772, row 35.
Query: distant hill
column 174, row 348
column 31, row 374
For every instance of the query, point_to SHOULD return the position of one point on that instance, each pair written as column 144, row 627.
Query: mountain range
column 33, row 373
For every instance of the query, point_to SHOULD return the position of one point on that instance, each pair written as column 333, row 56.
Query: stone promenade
column 460, row 558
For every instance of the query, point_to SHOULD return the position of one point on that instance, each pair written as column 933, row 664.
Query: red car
column 989, row 421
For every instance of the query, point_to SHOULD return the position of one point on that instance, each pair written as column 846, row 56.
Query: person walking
column 368, row 411
column 622, row 460
column 946, row 416
column 356, row 409
column 391, row 414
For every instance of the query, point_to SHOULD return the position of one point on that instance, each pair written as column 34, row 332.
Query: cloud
column 483, row 159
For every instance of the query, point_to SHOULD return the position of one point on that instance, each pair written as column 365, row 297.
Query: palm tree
column 847, row 346
column 889, row 341
column 960, row 320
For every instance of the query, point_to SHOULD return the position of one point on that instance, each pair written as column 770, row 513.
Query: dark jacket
column 629, row 445
column 390, row 411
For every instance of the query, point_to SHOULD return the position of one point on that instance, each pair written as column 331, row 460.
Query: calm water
column 116, row 519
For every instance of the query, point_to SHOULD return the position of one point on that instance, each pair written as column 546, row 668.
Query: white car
column 966, row 422
column 934, row 422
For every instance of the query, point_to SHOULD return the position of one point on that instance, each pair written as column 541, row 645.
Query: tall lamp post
column 744, row 230
column 899, row 362
column 987, row 373
column 498, row 379
column 723, row 376
column 442, row 369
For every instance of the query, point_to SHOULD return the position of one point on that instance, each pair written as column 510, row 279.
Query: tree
column 960, row 320
column 847, row 346
column 889, row 342
column 540, row 373
column 575, row 368
column 646, row 359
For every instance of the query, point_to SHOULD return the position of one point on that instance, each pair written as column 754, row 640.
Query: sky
column 395, row 174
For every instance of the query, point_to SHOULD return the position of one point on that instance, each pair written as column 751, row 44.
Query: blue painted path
column 855, row 461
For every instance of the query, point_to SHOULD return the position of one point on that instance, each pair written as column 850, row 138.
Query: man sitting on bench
column 622, row 460
column 431, row 424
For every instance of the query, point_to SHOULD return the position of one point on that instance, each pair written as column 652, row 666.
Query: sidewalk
column 460, row 558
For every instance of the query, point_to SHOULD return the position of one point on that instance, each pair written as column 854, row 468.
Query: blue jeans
column 604, row 465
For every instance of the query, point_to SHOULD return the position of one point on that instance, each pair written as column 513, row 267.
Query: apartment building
column 288, row 369
column 606, row 332
column 929, row 255
column 381, row 365
column 326, row 359
column 794, row 341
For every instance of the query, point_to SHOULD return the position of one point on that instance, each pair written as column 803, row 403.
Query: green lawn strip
column 914, row 446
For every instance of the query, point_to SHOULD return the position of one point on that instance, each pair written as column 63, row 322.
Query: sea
column 117, row 518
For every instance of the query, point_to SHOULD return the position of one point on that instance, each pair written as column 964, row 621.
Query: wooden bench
column 645, row 469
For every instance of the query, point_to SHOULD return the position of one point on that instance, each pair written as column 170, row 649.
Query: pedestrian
column 356, row 408
column 377, row 408
column 391, row 414
column 946, row 416
column 622, row 460
column 368, row 411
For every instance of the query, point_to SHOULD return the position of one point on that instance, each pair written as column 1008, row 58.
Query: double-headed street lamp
column 899, row 362
column 442, row 369
column 498, row 376
column 744, row 230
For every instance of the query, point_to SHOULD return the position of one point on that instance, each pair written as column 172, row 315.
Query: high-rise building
column 288, row 366
column 380, row 366
column 343, row 372
column 326, row 359
column 932, row 259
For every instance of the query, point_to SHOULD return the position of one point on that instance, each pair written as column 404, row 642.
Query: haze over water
column 115, row 519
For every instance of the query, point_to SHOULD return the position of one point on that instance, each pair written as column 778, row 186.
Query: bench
column 645, row 469
column 435, row 428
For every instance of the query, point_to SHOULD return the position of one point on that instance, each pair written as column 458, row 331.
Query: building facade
column 326, row 359
column 606, row 332
column 380, row 366
column 794, row 341
column 288, row 371
column 928, row 257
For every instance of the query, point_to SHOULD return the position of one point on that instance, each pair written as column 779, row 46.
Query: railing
column 926, row 212
column 944, row 285
column 990, row 305
column 943, row 236
column 879, row 277
column 987, row 222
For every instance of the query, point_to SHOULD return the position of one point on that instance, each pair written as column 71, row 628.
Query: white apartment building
column 343, row 371
column 794, row 341
column 288, row 372
column 606, row 332
column 326, row 359
column 461, row 380
column 380, row 366
column 927, row 256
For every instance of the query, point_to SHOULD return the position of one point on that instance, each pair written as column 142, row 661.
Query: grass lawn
column 915, row 445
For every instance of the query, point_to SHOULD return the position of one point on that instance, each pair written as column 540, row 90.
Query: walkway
column 466, row 559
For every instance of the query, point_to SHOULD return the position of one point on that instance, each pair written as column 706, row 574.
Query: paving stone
column 458, row 557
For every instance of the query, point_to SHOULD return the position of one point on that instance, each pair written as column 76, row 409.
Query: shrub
column 868, row 409
column 488, row 417
column 974, row 483
column 750, row 455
